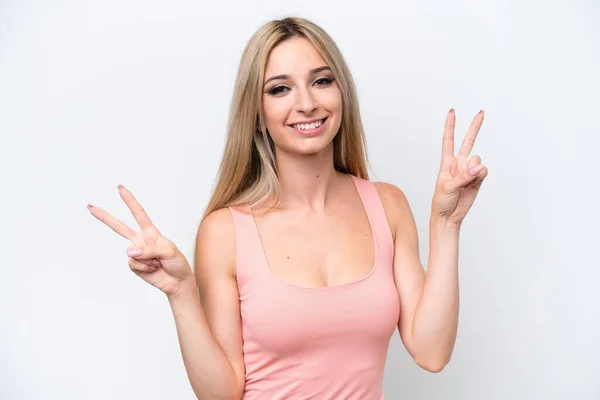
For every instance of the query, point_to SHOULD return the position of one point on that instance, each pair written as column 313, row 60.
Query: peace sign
column 460, row 177
column 154, row 258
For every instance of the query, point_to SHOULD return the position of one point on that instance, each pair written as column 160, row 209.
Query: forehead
column 293, row 56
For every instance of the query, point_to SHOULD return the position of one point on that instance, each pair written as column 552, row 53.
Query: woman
column 303, row 267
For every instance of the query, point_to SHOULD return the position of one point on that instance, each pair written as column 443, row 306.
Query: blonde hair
column 248, row 172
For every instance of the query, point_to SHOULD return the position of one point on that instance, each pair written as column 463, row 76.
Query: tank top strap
column 376, row 213
column 250, row 257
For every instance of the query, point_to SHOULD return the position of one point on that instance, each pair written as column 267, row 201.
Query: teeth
column 308, row 126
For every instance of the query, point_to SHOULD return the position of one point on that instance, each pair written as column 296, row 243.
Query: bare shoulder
column 393, row 198
column 215, row 243
column 395, row 204
column 218, row 222
column 389, row 192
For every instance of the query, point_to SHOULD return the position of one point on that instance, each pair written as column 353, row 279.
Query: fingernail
column 89, row 206
column 120, row 187
column 134, row 252
column 476, row 169
column 451, row 110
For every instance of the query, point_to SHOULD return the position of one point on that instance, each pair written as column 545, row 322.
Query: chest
column 326, row 320
column 312, row 251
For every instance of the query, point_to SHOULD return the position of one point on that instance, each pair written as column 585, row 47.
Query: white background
column 94, row 93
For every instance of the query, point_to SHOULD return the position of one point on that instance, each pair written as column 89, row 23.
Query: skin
column 304, row 96
column 336, row 249
column 320, row 236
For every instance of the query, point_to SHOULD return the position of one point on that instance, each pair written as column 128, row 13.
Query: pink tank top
column 316, row 343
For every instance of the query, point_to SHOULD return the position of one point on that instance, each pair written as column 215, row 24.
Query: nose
column 305, row 102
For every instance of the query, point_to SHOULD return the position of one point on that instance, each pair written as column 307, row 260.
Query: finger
column 136, row 209
column 115, row 224
column 138, row 254
column 473, row 161
column 476, row 184
column 448, row 138
column 165, row 252
column 469, row 140
column 463, row 179
column 155, row 263
column 138, row 266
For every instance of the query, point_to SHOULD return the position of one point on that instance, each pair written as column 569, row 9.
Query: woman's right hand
column 159, row 262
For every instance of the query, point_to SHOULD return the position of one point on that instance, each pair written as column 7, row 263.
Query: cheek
column 331, row 100
column 275, row 111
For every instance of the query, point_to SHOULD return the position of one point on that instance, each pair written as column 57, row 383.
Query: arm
column 428, row 319
column 428, row 301
column 207, row 314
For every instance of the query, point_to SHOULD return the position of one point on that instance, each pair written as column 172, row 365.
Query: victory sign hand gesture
column 153, row 257
column 460, row 176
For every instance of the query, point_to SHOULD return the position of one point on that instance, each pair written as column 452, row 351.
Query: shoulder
column 217, row 225
column 393, row 198
column 389, row 192
column 215, row 242
column 395, row 204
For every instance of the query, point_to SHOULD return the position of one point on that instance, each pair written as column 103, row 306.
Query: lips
column 311, row 131
column 305, row 123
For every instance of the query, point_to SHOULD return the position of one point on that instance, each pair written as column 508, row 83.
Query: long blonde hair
column 248, row 172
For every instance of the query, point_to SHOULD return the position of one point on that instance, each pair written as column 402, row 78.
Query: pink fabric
column 316, row 343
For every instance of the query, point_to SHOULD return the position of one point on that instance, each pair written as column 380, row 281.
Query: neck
column 307, row 181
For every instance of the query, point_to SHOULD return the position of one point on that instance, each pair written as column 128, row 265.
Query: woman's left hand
column 460, row 176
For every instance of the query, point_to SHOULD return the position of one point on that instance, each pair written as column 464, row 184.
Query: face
column 302, row 104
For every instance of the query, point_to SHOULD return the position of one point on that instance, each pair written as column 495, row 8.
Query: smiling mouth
column 313, row 125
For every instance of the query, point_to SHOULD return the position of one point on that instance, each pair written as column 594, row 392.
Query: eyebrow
column 311, row 72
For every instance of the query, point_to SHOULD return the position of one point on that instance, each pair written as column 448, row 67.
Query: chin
column 314, row 146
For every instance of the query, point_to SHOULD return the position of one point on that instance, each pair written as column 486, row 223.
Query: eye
column 323, row 81
column 277, row 90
